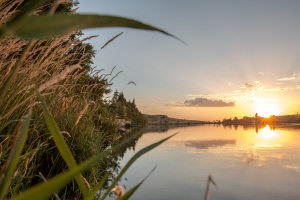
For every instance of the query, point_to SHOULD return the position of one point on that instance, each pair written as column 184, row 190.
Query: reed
column 209, row 181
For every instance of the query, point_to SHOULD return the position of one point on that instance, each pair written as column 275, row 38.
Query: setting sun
column 266, row 108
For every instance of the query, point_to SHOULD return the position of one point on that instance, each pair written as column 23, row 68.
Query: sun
column 265, row 108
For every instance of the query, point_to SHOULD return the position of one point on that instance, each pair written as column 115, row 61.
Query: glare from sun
column 266, row 108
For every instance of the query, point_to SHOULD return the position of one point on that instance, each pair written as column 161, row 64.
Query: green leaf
column 27, row 7
column 132, row 160
column 132, row 190
column 62, row 145
column 15, row 153
column 45, row 26
column 46, row 189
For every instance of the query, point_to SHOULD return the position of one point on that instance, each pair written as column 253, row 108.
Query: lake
column 244, row 162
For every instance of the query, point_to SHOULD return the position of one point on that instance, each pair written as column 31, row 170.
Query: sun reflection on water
column 267, row 133
column 268, row 138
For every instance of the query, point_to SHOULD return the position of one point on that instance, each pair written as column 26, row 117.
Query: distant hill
column 168, row 121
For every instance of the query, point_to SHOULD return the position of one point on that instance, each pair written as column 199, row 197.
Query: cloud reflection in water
column 205, row 144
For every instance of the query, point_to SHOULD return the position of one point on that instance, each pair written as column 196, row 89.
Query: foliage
column 124, row 109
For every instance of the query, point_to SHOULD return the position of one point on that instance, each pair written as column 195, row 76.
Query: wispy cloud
column 276, row 89
column 255, row 85
column 292, row 167
column 288, row 78
column 204, row 102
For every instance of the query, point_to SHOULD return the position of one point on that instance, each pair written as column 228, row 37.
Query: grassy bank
column 61, row 69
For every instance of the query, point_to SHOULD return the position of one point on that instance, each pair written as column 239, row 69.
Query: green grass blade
column 93, row 192
column 46, row 189
column 62, row 145
column 28, row 6
column 132, row 160
column 15, row 153
column 45, row 26
column 132, row 190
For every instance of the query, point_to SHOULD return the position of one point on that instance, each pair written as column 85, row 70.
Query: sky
column 241, row 58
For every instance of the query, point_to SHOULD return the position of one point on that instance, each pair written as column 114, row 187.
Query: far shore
column 164, row 120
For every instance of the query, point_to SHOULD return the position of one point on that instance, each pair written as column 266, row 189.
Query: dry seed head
column 119, row 191
column 59, row 77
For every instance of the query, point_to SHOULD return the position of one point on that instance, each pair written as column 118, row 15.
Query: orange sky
column 257, row 98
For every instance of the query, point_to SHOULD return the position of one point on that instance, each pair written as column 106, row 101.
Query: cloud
column 288, row 78
column 247, row 86
column 204, row 102
column 205, row 144
column 243, row 93
column 292, row 167
column 256, row 85
column 277, row 89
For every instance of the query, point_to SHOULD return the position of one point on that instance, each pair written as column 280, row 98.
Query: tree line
column 123, row 109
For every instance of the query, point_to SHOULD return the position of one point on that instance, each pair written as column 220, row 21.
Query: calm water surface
column 244, row 163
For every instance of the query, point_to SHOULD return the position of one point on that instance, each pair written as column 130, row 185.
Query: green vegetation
column 124, row 109
column 53, row 114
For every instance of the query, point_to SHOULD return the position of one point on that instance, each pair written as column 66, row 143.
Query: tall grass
column 46, row 70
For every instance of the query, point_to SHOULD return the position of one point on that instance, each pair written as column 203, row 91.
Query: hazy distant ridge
column 165, row 120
